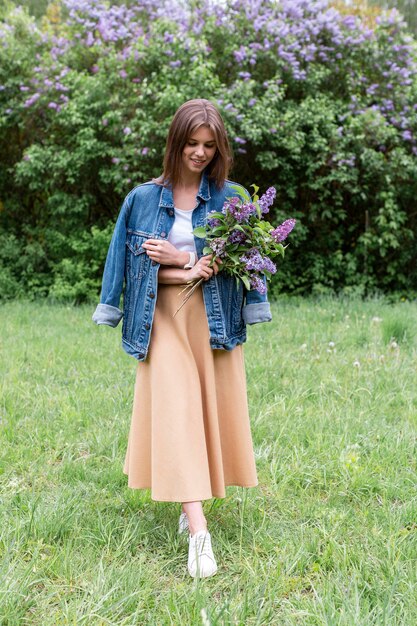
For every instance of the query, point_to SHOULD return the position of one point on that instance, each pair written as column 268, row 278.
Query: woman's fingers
column 150, row 244
column 216, row 266
column 162, row 251
column 203, row 269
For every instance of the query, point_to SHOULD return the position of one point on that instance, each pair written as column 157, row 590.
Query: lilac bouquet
column 243, row 239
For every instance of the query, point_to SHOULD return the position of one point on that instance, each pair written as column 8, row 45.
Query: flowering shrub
column 318, row 103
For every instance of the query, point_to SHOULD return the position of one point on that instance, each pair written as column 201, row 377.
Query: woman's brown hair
column 189, row 117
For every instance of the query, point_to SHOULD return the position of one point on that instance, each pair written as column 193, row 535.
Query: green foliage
column 78, row 277
column 79, row 129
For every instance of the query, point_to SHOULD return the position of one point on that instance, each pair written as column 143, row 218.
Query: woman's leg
column 195, row 515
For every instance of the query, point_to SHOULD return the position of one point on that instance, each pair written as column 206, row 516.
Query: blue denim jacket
column 148, row 212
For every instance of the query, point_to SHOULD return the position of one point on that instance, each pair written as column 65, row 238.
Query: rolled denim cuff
column 107, row 314
column 255, row 313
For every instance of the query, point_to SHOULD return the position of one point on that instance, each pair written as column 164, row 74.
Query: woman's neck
column 189, row 182
column 185, row 193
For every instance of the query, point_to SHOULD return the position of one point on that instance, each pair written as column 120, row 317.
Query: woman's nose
column 199, row 150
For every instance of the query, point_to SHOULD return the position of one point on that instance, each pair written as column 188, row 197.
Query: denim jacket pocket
column 136, row 255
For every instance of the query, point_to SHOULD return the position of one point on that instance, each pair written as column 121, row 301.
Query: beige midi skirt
column 190, row 432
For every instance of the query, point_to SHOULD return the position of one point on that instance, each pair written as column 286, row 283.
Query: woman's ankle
column 196, row 527
column 195, row 516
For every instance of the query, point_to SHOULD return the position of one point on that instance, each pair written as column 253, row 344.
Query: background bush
column 319, row 103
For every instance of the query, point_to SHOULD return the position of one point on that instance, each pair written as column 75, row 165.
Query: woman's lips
column 198, row 163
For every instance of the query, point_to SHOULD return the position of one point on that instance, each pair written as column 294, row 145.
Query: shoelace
column 203, row 545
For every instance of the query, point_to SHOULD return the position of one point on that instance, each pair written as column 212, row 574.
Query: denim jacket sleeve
column 256, row 308
column 108, row 311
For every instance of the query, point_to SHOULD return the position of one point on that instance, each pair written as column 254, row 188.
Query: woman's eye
column 192, row 143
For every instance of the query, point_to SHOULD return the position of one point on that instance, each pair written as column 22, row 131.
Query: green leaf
column 207, row 250
column 245, row 281
column 200, row 231
column 241, row 192
column 218, row 230
column 280, row 249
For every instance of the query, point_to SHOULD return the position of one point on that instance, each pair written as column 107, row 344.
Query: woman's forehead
column 203, row 133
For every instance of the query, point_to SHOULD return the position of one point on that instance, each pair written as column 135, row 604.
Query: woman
column 190, row 431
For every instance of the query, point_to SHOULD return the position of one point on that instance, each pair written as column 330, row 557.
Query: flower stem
column 189, row 294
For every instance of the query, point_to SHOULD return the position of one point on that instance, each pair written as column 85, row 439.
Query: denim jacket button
column 170, row 212
column 154, row 263
column 152, row 295
column 163, row 234
column 147, row 326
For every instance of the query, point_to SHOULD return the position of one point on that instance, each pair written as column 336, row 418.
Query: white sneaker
column 183, row 523
column 201, row 561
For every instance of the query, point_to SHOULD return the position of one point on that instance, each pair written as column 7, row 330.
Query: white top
column 181, row 234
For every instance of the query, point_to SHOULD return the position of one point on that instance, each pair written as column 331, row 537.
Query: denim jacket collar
column 167, row 199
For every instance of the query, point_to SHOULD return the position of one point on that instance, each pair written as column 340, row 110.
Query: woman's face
column 198, row 151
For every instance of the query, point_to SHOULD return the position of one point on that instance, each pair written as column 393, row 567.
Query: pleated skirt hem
column 194, row 498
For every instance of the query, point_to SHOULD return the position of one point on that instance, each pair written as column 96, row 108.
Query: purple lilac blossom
column 240, row 212
column 218, row 246
column 237, row 236
column 267, row 199
column 269, row 266
column 29, row 101
column 253, row 260
column 257, row 283
column 281, row 232
column 213, row 221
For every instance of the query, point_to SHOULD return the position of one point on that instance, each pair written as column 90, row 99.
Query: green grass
column 328, row 537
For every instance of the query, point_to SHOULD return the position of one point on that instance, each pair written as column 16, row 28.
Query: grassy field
column 328, row 537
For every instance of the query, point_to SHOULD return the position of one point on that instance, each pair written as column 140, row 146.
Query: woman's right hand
column 202, row 268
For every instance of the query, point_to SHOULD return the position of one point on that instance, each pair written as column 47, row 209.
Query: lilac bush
column 320, row 104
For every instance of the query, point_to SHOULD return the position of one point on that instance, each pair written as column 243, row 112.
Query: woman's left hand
column 163, row 252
